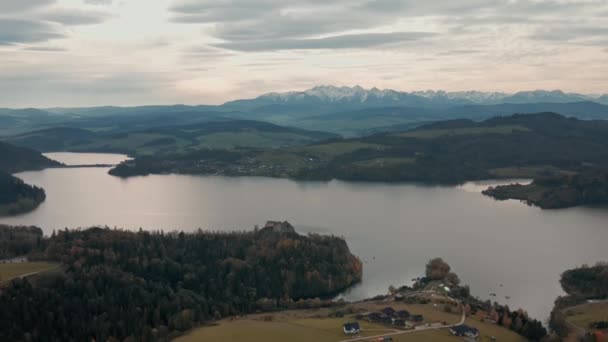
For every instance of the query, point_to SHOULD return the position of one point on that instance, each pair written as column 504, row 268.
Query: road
column 417, row 329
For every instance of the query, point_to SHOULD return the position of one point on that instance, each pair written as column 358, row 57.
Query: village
column 425, row 312
column 401, row 321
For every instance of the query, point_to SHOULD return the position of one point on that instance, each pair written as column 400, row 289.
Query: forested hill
column 16, row 159
column 555, row 192
column 153, row 285
column 586, row 289
column 16, row 197
column 518, row 146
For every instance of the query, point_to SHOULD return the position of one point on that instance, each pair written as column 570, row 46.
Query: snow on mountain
column 603, row 99
column 554, row 96
column 477, row 97
column 357, row 96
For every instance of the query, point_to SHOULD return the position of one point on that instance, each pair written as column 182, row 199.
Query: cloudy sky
column 133, row 52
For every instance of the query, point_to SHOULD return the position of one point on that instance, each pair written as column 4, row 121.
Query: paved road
column 417, row 329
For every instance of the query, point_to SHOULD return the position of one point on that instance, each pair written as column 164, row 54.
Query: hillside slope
column 16, row 197
column 16, row 159
column 444, row 152
column 171, row 139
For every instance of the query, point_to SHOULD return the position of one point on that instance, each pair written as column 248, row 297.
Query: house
column 464, row 331
column 402, row 314
column 375, row 317
column 388, row 311
column 398, row 322
column 417, row 318
column 352, row 328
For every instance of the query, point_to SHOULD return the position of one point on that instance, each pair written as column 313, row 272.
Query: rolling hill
column 226, row 134
column 17, row 159
column 16, row 197
column 444, row 152
column 349, row 111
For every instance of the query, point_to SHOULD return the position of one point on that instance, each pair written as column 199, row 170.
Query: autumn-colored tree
column 506, row 320
column 518, row 324
column 452, row 278
column 467, row 309
column 494, row 315
column 437, row 269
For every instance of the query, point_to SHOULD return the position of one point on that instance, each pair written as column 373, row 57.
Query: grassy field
column 332, row 150
column 528, row 172
column 314, row 325
column 290, row 329
column 436, row 133
column 584, row 315
column 11, row 271
column 384, row 162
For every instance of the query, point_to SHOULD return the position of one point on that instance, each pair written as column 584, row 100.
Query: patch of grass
column 332, row 150
column 528, row 172
column 586, row 314
column 252, row 139
column 436, row 133
column 488, row 330
column 384, row 162
column 256, row 329
column 11, row 271
column 307, row 325
column 428, row 336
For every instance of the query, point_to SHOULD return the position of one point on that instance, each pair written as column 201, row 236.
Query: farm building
column 465, row 331
column 402, row 314
column 416, row 318
column 388, row 311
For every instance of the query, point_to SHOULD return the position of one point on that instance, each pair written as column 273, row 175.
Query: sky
column 140, row 52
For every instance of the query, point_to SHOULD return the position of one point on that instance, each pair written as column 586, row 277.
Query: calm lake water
column 394, row 229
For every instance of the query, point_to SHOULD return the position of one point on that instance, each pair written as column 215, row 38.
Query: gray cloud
column 283, row 25
column 72, row 17
column 8, row 6
column 348, row 41
column 571, row 32
column 272, row 19
column 45, row 49
column 15, row 31
column 99, row 2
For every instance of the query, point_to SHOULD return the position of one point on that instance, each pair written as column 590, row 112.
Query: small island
column 17, row 197
column 556, row 192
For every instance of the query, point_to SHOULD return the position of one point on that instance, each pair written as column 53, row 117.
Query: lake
column 394, row 229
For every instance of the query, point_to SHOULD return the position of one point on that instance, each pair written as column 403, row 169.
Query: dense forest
column 554, row 192
column 444, row 152
column 17, row 197
column 152, row 285
column 587, row 282
column 17, row 159
column 580, row 284
column 19, row 241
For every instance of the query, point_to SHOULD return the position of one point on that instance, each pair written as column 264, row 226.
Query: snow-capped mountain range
column 328, row 94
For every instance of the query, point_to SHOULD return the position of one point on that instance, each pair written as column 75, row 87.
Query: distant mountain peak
column 375, row 97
